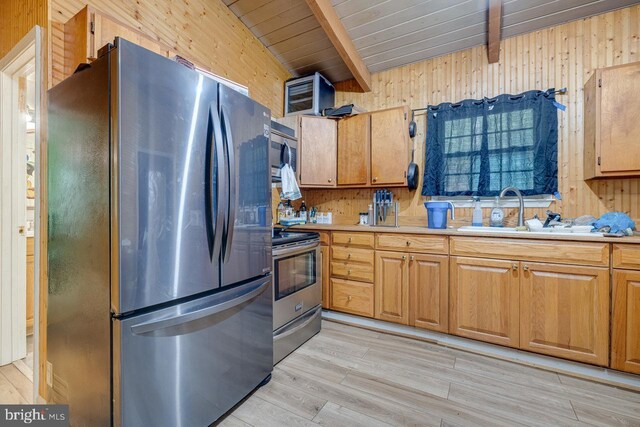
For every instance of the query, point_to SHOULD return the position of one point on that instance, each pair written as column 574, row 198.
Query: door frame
column 12, row 294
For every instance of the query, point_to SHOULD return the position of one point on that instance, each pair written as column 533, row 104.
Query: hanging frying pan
column 413, row 171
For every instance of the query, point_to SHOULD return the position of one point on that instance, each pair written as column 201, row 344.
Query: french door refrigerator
column 159, row 243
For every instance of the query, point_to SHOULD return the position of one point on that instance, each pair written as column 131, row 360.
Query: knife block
column 391, row 219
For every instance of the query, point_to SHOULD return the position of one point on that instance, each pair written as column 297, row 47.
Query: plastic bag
column 290, row 189
column 618, row 222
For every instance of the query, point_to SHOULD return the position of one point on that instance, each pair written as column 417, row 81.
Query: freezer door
column 166, row 153
column 246, row 248
column 189, row 364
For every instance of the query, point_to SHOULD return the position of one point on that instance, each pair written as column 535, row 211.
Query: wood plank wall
column 205, row 31
column 17, row 18
column 560, row 56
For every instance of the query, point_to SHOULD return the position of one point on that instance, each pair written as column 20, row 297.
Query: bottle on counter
column 303, row 211
column 281, row 211
column 477, row 213
column 289, row 212
column 312, row 215
column 497, row 214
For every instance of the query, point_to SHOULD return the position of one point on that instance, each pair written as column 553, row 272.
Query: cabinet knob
column 374, row 179
column 514, row 267
column 404, row 257
column 349, row 239
column 329, row 180
column 348, row 255
column 525, row 268
column 408, row 243
column 411, row 258
column 348, row 271
column 348, row 297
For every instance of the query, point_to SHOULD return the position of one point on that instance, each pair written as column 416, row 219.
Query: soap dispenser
column 477, row 213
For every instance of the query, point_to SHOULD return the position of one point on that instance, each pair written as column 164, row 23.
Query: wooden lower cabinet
column 429, row 291
column 392, row 287
column 564, row 311
column 484, row 300
column 324, row 265
column 352, row 297
column 625, row 331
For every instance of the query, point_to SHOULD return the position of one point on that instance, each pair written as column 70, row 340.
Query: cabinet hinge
column 599, row 82
column 92, row 27
column 599, row 159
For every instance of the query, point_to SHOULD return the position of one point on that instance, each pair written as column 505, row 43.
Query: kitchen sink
column 504, row 230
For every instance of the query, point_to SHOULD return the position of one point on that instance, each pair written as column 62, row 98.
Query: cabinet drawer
column 557, row 252
column 363, row 240
column 412, row 242
column 359, row 256
column 352, row 297
column 626, row 256
column 352, row 271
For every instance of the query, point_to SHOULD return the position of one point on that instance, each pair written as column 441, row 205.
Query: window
column 478, row 147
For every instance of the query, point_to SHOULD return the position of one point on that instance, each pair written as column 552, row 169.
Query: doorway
column 21, row 100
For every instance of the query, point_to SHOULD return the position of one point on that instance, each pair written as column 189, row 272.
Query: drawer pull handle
column 404, row 257
column 348, row 271
column 408, row 243
column 349, row 239
column 411, row 258
column 514, row 267
column 348, row 255
column 349, row 298
column 525, row 268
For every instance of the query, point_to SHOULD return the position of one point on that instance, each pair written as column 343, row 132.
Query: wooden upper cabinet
column 392, row 287
column 390, row 146
column 429, row 291
column 611, row 127
column 564, row 311
column 318, row 145
column 88, row 31
column 625, row 331
column 484, row 300
column 353, row 150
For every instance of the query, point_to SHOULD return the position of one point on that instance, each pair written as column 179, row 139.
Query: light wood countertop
column 412, row 229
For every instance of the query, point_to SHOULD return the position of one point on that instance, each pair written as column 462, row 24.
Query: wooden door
column 354, row 150
column 564, row 311
column 392, row 287
column 389, row 146
column 619, row 124
column 326, row 290
column 429, row 291
column 484, row 300
column 625, row 331
column 318, row 146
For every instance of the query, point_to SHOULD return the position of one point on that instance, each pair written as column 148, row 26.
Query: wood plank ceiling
column 392, row 33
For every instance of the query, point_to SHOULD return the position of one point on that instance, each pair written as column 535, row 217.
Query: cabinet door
column 389, row 146
column 484, row 300
column 564, row 311
column 353, row 150
column 619, row 124
column 392, row 287
column 429, row 291
column 326, row 290
column 625, row 334
column 107, row 29
column 318, row 150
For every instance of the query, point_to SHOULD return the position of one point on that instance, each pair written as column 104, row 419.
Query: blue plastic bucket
column 437, row 214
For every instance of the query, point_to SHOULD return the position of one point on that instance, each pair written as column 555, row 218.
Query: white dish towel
column 290, row 189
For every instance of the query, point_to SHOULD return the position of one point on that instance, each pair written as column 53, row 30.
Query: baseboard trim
column 561, row 366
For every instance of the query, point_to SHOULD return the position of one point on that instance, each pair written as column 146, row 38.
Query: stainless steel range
column 297, row 290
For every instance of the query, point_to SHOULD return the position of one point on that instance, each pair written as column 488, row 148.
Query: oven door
column 297, row 278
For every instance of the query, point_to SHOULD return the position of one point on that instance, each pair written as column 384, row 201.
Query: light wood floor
column 347, row 376
column 16, row 379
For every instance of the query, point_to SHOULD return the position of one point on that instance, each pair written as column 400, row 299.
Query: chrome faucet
column 520, row 200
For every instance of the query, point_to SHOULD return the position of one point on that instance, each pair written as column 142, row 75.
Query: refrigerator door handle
column 250, row 294
column 231, row 170
column 218, row 152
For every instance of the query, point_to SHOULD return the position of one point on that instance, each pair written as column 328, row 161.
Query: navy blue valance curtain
column 478, row 147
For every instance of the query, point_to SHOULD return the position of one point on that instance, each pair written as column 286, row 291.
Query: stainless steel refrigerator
column 159, row 201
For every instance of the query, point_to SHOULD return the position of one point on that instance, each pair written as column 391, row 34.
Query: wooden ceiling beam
column 494, row 30
column 333, row 27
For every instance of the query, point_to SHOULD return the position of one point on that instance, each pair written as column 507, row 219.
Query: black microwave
column 308, row 95
column 284, row 149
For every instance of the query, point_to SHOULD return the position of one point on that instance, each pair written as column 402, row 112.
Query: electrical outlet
column 49, row 374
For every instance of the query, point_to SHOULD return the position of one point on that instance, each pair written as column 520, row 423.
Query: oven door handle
column 311, row 315
column 294, row 250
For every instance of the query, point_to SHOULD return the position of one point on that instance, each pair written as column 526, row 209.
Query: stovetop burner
column 281, row 237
